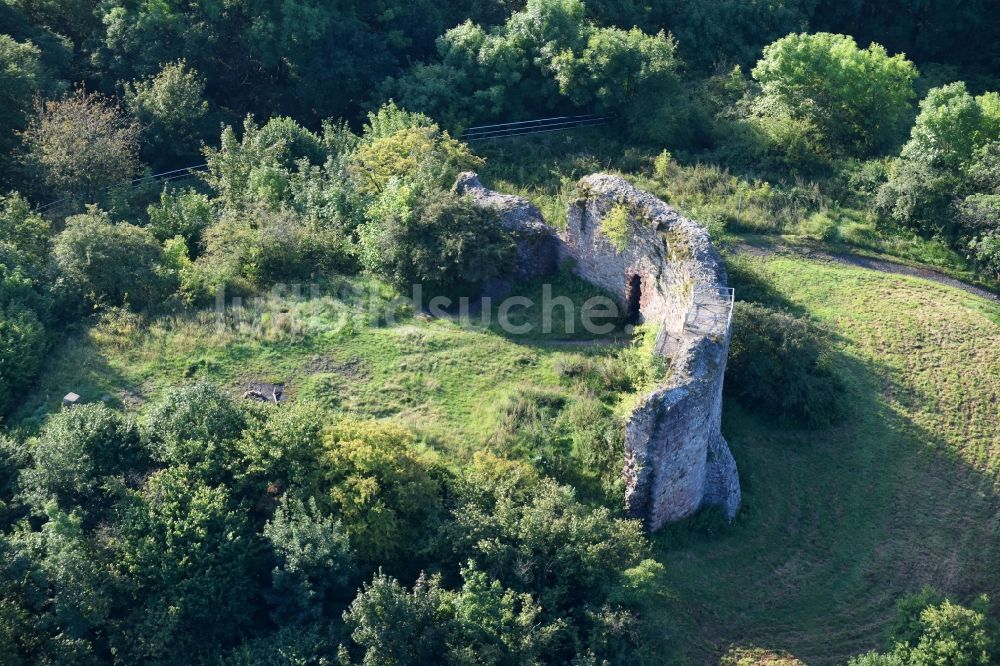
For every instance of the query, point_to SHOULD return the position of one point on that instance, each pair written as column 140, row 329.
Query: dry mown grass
column 838, row 523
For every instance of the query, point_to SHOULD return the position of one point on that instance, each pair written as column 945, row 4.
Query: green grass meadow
column 439, row 375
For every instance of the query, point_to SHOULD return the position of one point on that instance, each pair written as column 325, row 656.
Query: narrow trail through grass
column 860, row 261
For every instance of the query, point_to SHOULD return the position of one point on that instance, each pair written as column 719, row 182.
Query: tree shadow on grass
column 553, row 311
column 73, row 365
column 836, row 525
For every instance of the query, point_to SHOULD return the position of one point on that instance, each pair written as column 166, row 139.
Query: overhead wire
column 163, row 177
column 478, row 133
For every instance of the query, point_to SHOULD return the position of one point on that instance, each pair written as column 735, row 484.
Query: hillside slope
column 838, row 523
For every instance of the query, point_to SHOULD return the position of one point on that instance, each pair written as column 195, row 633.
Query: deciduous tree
column 856, row 97
column 82, row 144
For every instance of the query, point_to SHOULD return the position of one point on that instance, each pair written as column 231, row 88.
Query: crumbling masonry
column 668, row 274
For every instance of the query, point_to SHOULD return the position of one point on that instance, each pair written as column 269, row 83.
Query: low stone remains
column 265, row 392
column 667, row 273
column 537, row 242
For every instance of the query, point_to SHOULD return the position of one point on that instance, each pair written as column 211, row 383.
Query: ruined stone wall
column 537, row 242
column 676, row 459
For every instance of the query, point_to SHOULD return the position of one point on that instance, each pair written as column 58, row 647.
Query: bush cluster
column 783, row 366
column 210, row 531
column 932, row 629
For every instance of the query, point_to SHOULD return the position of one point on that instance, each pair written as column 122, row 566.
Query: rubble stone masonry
column 676, row 459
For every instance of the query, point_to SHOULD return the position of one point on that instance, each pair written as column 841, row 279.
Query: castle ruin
column 668, row 274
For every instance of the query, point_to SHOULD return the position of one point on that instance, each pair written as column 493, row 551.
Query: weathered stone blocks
column 537, row 242
column 676, row 459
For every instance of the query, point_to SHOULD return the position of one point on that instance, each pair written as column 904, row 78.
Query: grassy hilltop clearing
column 837, row 523
column 363, row 351
column 228, row 439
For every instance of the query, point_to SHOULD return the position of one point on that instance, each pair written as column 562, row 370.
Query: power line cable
column 183, row 172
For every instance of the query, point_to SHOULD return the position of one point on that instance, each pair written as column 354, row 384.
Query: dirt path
column 880, row 265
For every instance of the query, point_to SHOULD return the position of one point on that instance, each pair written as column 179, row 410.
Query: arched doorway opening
column 633, row 297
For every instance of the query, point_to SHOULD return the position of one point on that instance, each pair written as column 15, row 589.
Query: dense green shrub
column 108, row 263
column 726, row 32
column 439, row 240
column 876, row 659
column 24, row 235
column 415, row 230
column 931, row 629
column 480, row 623
column 986, row 250
column 951, row 634
column 22, row 345
column 782, row 365
column 556, row 59
column 947, row 157
column 398, row 144
column 196, row 425
column 775, row 140
column 290, row 645
column 856, row 99
column 598, row 439
column 586, row 569
column 284, row 452
column 185, row 213
column 60, row 579
column 20, row 64
column 947, row 179
column 14, row 456
column 919, row 196
column 256, row 167
column 285, row 209
column 399, row 521
column 192, row 558
column 633, row 74
column 82, row 455
column 312, row 61
column 313, row 560
column 951, row 126
column 256, row 247
column 615, row 226
column 172, row 111
column 23, row 76
column 25, row 305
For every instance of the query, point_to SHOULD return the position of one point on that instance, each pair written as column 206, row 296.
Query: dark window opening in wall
column 633, row 295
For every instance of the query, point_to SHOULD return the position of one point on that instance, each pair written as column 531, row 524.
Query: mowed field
column 838, row 523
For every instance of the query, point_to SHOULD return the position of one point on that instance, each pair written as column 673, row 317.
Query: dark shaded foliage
column 783, row 366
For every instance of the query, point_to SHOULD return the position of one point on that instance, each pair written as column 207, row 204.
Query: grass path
column 767, row 248
column 838, row 523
